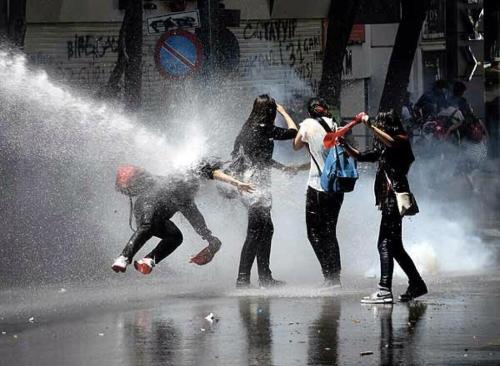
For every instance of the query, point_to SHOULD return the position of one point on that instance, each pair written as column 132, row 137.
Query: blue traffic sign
column 178, row 54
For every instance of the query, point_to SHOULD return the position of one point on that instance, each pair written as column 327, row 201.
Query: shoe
column 413, row 292
column 271, row 282
column 120, row 264
column 243, row 282
column 331, row 283
column 145, row 265
column 382, row 296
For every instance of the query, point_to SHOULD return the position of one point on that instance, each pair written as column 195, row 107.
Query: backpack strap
column 327, row 128
column 315, row 162
column 323, row 124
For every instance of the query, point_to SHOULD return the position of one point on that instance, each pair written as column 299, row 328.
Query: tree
column 340, row 21
column 129, row 61
column 13, row 21
column 403, row 53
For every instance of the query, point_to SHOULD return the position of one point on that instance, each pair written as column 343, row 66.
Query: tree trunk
column 129, row 61
column 340, row 21
column 133, row 65
column 403, row 53
column 112, row 88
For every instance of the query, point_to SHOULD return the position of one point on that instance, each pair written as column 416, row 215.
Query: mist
column 64, row 222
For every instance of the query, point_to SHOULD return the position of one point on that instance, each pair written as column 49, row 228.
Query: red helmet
column 130, row 179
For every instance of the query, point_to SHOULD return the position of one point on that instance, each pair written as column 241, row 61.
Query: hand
column 291, row 170
column 362, row 117
column 245, row 187
column 280, row 109
column 341, row 141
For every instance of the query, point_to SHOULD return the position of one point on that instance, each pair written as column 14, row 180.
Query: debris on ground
column 210, row 318
column 100, row 334
column 62, row 290
column 366, row 353
column 32, row 319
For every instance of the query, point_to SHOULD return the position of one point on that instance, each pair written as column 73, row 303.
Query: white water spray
column 62, row 149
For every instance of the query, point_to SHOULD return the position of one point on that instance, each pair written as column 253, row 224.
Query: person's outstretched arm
column 298, row 142
column 369, row 156
column 226, row 178
column 289, row 120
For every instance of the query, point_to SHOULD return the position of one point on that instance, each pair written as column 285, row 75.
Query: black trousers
column 149, row 224
column 169, row 233
column 257, row 243
column 322, row 213
column 390, row 246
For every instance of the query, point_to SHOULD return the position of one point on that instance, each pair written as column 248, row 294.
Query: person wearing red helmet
column 157, row 199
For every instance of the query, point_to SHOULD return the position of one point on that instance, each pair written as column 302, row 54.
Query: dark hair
column 440, row 84
column 390, row 122
column 317, row 107
column 459, row 88
column 263, row 111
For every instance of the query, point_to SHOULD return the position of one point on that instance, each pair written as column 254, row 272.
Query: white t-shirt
column 312, row 133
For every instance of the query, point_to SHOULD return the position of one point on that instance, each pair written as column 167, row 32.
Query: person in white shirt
column 322, row 208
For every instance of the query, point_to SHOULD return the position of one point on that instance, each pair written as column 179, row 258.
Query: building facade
column 278, row 50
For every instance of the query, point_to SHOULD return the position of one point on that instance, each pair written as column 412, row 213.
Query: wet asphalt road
column 458, row 323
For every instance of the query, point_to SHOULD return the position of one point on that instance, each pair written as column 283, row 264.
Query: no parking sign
column 178, row 54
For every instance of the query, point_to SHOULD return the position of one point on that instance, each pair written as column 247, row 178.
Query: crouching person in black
column 158, row 198
column 392, row 151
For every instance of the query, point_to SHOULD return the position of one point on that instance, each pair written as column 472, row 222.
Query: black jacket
column 393, row 164
column 168, row 195
column 257, row 144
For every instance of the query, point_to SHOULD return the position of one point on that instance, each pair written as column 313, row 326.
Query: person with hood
column 253, row 159
column 392, row 150
column 158, row 198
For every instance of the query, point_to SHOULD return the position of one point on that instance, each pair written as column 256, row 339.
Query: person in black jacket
column 392, row 151
column 158, row 199
column 253, row 160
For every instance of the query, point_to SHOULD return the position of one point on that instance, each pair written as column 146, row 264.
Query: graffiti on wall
column 274, row 30
column 90, row 45
column 88, row 75
column 280, row 49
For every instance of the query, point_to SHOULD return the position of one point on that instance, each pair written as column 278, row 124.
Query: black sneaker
column 271, row 282
column 413, row 292
column 243, row 282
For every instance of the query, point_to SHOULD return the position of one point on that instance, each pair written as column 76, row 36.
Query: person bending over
column 394, row 155
column 158, row 198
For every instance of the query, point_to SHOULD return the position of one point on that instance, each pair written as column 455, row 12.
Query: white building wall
column 78, row 44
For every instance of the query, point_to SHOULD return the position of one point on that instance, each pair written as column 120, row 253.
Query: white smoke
column 66, row 146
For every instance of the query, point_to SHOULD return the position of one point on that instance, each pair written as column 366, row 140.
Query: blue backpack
column 340, row 172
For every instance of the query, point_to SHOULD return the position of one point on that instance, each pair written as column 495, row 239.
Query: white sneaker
column 145, row 265
column 382, row 296
column 120, row 264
